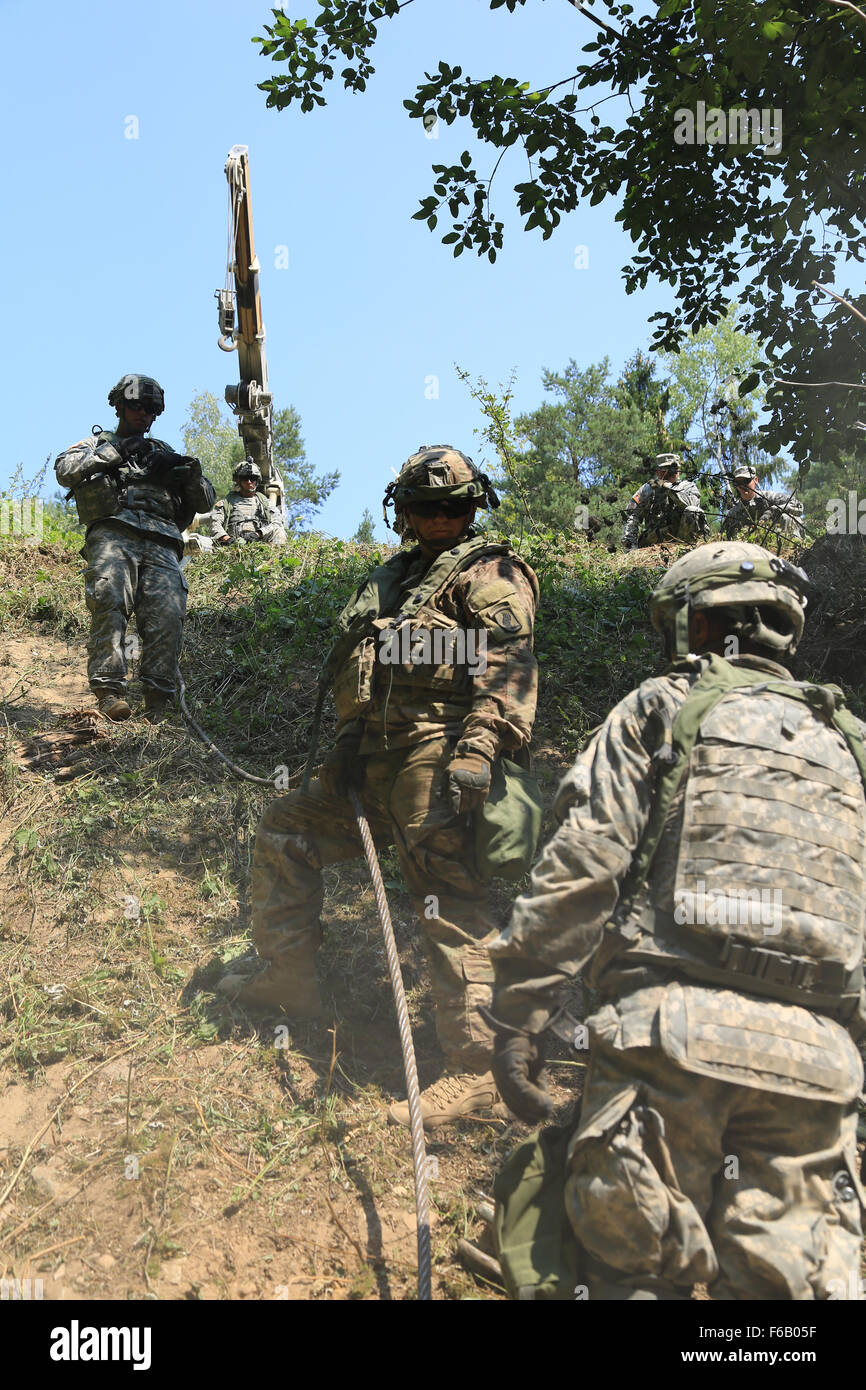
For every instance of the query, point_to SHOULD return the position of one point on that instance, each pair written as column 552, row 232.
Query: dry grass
column 156, row 1142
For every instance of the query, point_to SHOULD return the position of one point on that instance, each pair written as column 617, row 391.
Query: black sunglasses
column 450, row 509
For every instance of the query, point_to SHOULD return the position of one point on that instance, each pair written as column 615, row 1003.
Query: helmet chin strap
column 681, row 628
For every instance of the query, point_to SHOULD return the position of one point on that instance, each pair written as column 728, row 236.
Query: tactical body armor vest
column 410, row 642
column 247, row 517
column 127, row 488
column 752, row 870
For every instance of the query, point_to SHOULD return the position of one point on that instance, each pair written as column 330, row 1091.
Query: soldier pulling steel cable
column 434, row 679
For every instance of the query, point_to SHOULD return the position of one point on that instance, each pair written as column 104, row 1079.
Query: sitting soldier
column 246, row 515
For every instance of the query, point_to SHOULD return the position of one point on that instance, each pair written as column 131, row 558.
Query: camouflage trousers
column 127, row 573
column 677, row 1178
column 405, row 797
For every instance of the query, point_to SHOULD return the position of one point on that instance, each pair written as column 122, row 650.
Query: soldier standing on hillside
column 717, row 1137
column 665, row 509
column 433, row 678
column 245, row 514
column 779, row 513
column 135, row 496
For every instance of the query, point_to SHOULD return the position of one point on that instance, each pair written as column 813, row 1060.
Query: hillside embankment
column 155, row 1141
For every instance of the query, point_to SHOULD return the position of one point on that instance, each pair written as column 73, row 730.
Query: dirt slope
column 152, row 1140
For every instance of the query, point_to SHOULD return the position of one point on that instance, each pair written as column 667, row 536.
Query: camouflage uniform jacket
column 146, row 507
column 777, row 511
column 573, row 911
column 673, row 512
column 245, row 518
column 463, row 666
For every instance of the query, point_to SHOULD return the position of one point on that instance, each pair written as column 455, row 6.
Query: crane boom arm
column 250, row 399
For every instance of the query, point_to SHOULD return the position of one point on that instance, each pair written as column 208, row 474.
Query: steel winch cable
column 419, row 1151
column 238, row 771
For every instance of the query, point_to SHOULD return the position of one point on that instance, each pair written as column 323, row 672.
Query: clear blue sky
column 113, row 246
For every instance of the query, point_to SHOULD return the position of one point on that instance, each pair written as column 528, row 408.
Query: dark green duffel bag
column 537, row 1250
column 509, row 823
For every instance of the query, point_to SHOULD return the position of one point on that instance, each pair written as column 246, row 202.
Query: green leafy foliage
column 209, row 435
column 572, row 464
column 826, row 479
column 587, row 449
column 305, row 490
column 365, row 534
column 704, row 215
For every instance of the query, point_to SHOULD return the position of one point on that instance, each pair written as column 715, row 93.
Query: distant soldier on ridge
column 665, row 509
column 780, row 513
column 135, row 496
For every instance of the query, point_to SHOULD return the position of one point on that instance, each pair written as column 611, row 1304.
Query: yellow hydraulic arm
column 242, row 329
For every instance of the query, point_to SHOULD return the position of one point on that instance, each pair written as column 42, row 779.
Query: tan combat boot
column 275, row 985
column 113, row 706
column 449, row 1098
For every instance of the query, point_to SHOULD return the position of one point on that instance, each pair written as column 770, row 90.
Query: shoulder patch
column 487, row 594
column 506, row 620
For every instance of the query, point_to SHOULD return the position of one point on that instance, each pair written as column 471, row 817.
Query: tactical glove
column 342, row 767
column 173, row 470
column 518, row 1060
column 181, row 473
column 135, row 448
column 468, row 782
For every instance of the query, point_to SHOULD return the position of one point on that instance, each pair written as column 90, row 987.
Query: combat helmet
column 134, row 387
column 247, row 468
column 768, row 595
column 435, row 473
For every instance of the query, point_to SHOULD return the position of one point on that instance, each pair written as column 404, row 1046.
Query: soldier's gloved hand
column 468, row 782
column 518, row 1060
column 134, row 448
column 181, row 471
column 342, row 767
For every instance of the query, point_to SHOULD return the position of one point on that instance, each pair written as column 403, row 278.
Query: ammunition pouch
column 143, row 494
column 428, row 652
column 353, row 684
column 97, row 497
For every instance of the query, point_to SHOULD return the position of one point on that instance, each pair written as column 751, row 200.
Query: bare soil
column 155, row 1142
